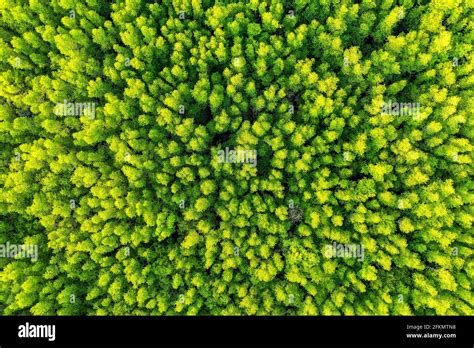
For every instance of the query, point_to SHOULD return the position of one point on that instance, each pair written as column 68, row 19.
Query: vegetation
column 112, row 114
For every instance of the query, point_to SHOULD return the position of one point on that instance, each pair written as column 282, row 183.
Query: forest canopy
column 187, row 157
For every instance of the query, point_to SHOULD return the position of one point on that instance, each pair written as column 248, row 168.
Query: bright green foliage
column 132, row 211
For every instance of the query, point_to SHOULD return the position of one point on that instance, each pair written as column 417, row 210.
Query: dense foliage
column 132, row 210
